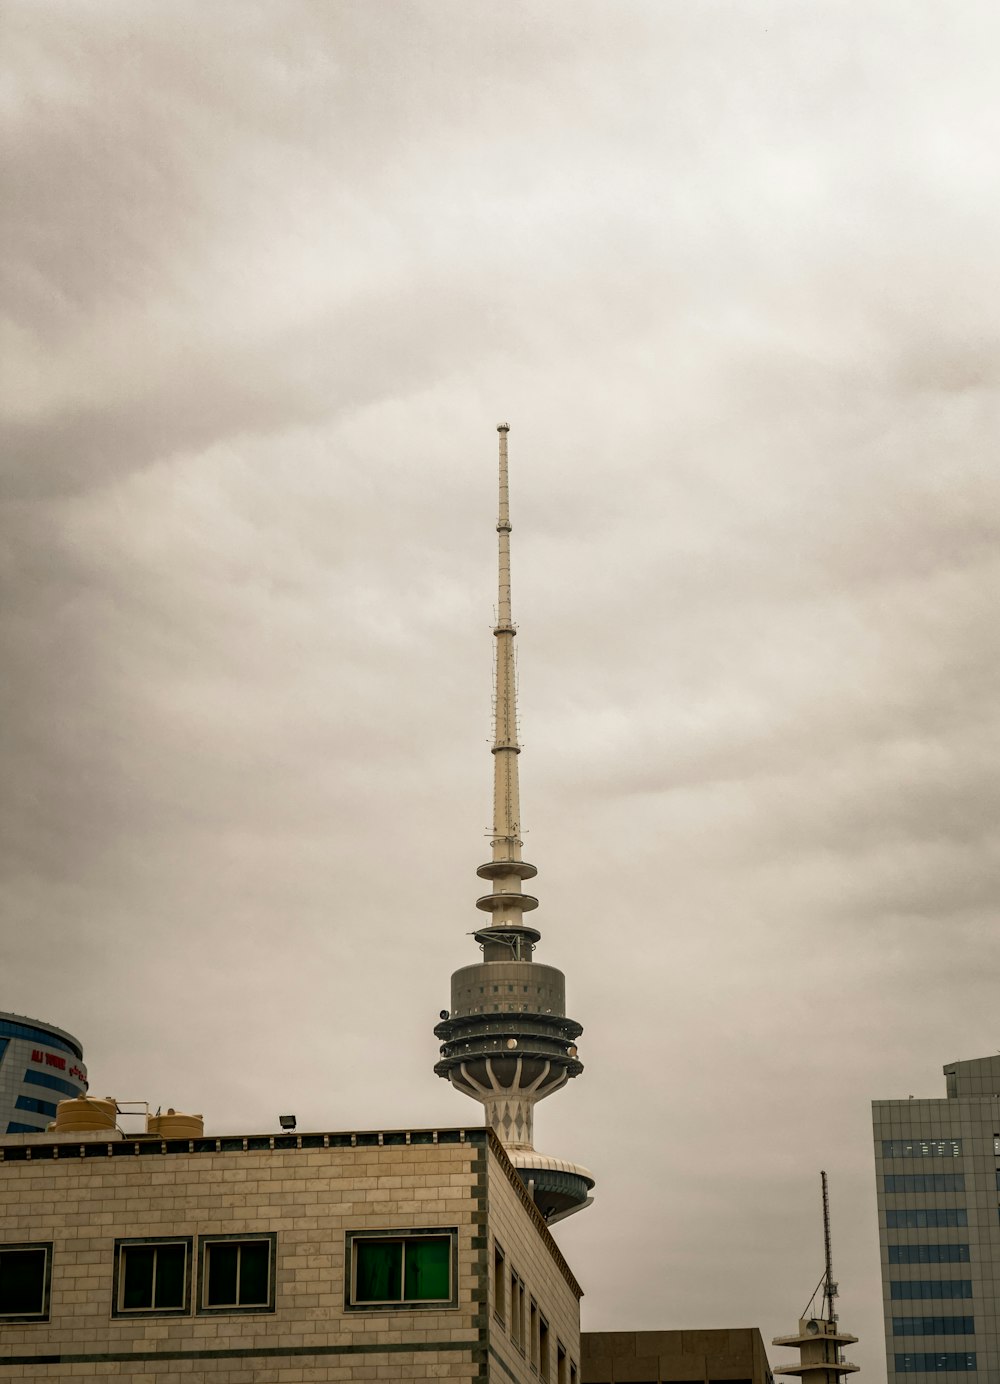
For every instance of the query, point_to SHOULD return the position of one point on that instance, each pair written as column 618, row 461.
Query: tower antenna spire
column 506, row 1041
column 507, row 902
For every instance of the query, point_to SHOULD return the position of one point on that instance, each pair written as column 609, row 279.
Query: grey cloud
column 274, row 274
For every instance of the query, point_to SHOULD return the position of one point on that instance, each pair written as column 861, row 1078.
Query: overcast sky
column 273, row 274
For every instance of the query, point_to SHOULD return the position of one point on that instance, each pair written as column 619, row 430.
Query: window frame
column 544, row 1350
column 118, row 1276
column 246, row 1237
column 26, row 1318
column 353, row 1237
column 499, row 1284
column 517, row 1311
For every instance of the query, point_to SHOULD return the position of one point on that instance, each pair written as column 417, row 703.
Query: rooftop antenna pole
column 829, row 1286
column 819, row 1340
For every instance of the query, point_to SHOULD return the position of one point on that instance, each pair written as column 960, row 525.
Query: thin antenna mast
column 819, row 1340
column 829, row 1286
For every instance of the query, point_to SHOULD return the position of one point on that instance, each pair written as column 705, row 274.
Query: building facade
column 405, row 1255
column 937, row 1165
column 40, row 1065
column 727, row 1356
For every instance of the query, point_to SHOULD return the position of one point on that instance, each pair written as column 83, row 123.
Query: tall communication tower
column 819, row 1340
column 506, row 1040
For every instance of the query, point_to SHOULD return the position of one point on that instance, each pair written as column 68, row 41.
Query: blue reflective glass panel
column 40, row 1107
column 16, row 1127
column 54, row 1083
column 931, row 1288
column 924, row 1182
column 36, row 1035
column 920, row 1362
column 927, row 1218
column 933, row 1326
column 928, row 1254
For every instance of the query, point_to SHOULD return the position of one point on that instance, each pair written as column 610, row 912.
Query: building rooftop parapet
column 20, row 1148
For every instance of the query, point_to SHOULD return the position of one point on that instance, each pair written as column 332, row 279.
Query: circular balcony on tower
column 498, row 869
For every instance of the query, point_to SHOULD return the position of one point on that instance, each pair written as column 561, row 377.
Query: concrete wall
column 725, row 1356
column 530, row 1252
column 309, row 1197
column 82, row 1194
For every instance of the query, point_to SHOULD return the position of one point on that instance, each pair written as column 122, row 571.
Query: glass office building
column 937, row 1165
column 40, row 1065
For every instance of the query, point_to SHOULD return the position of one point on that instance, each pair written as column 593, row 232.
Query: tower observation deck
column 506, row 1040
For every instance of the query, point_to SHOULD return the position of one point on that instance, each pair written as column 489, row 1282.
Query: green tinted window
column 379, row 1265
column 402, row 1269
column 428, row 1269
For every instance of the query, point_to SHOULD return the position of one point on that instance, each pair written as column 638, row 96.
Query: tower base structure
column 819, row 1343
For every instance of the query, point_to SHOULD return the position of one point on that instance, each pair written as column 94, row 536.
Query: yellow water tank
column 174, row 1125
column 83, row 1113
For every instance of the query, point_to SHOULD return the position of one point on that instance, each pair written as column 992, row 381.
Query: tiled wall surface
column 547, row 1279
column 309, row 1198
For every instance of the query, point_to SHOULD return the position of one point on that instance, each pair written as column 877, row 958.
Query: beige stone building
column 407, row 1255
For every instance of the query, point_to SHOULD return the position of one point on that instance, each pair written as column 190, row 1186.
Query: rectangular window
column 931, row 1288
column 921, row 1148
column 573, row 1376
column 933, row 1326
column 544, row 1353
column 515, row 1312
column 37, row 1107
column 520, row 1315
column 928, row 1254
column 928, row 1218
column 925, row 1182
column 236, row 1273
column 533, row 1334
column 561, row 1363
column 25, row 1272
column 152, row 1275
column 390, row 1269
column 499, row 1284
column 963, row 1362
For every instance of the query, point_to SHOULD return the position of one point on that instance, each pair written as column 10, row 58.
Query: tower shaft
column 506, row 1041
